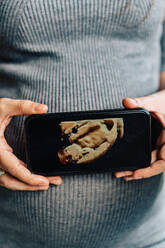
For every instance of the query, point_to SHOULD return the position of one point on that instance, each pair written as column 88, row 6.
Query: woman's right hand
column 17, row 176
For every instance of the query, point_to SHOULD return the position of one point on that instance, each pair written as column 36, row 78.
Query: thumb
column 153, row 103
column 141, row 102
column 13, row 107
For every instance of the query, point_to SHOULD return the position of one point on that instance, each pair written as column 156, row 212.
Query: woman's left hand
column 155, row 104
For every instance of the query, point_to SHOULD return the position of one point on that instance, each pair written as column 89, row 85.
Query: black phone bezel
column 111, row 113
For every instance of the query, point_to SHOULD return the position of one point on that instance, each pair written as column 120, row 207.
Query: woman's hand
column 17, row 176
column 155, row 104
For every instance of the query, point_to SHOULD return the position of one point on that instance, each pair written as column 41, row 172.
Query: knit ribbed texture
column 162, row 69
column 78, row 55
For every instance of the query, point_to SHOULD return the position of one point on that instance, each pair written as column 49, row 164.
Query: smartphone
column 88, row 141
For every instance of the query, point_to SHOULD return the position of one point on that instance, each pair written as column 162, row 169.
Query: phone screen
column 61, row 143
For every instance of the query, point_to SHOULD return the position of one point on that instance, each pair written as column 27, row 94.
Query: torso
column 78, row 55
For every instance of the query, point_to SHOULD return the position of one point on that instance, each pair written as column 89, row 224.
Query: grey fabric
column 80, row 55
column 162, row 68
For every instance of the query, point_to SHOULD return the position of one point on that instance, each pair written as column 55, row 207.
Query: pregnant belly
column 85, row 211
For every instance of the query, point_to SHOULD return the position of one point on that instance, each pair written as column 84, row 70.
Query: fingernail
column 56, row 181
column 133, row 101
column 38, row 107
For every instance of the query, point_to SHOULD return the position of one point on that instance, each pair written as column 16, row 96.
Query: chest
column 74, row 18
column 51, row 21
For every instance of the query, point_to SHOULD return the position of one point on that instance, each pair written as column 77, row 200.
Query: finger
column 161, row 138
column 153, row 170
column 55, row 180
column 11, row 107
column 12, row 183
column 4, row 121
column 10, row 163
column 3, row 144
column 161, row 153
column 130, row 175
column 123, row 174
column 154, row 156
column 153, row 103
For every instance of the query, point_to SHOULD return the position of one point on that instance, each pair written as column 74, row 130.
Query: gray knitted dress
column 81, row 55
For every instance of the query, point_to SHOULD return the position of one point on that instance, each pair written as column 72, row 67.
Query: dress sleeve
column 162, row 67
